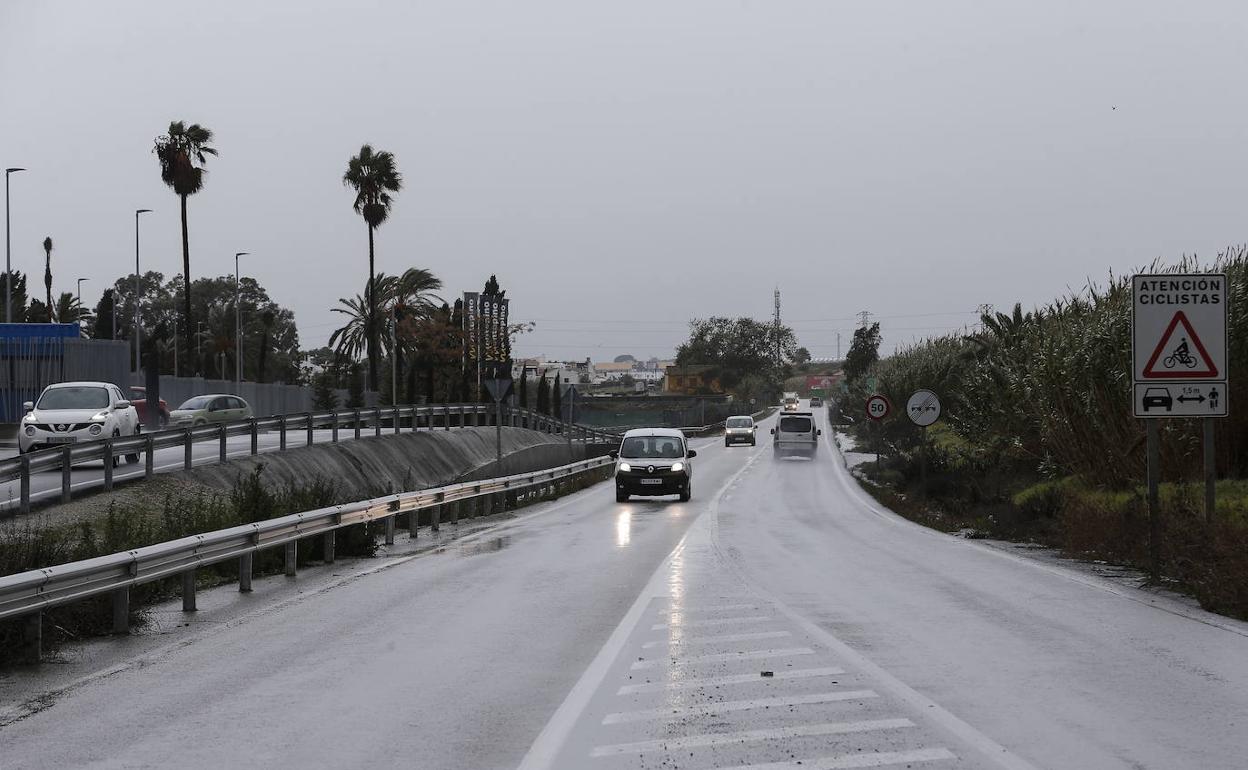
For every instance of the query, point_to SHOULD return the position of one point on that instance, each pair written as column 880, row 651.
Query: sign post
column 878, row 408
column 499, row 389
column 1179, row 369
column 923, row 409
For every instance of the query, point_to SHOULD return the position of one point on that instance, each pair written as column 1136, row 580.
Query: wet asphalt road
column 778, row 617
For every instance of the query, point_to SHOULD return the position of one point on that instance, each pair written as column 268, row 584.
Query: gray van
column 795, row 434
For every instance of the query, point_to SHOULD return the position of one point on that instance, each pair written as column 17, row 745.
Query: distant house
column 691, row 379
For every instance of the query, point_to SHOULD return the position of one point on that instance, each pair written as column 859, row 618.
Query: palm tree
column 68, row 310
column 47, row 274
column 373, row 176
column 351, row 339
column 179, row 152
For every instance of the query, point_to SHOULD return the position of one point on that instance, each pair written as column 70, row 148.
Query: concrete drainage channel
column 27, row 595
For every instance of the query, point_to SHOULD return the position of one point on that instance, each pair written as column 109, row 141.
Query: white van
column 795, row 434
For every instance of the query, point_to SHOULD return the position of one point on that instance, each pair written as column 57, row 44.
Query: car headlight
column 101, row 417
column 625, row 467
column 30, row 430
column 30, row 418
column 96, row 429
column 677, row 467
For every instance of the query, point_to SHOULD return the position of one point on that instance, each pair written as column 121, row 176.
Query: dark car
column 1158, row 398
column 815, row 402
column 653, row 461
column 138, row 399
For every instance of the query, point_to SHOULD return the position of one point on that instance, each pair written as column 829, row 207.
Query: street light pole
column 78, row 317
column 8, row 266
column 238, row 324
column 138, row 333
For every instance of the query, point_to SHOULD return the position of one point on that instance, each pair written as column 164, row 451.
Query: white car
column 74, row 412
column 653, row 461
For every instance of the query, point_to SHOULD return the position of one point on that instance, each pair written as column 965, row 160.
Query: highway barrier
column 28, row 594
column 109, row 451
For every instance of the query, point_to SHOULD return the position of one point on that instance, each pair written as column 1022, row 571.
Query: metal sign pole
column 1211, row 469
column 498, row 431
column 923, row 460
column 1153, row 443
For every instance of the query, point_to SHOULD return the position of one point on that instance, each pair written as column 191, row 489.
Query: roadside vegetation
column 1037, row 441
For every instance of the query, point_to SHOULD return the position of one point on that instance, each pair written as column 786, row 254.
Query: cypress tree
column 556, row 400
column 543, row 396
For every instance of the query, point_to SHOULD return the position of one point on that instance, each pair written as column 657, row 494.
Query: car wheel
column 686, row 495
column 620, row 496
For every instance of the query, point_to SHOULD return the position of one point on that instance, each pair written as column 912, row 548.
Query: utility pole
column 8, row 266
column 78, row 318
column 779, row 360
column 394, row 359
column 238, row 324
column 864, row 318
column 138, row 333
column 983, row 310
column 838, row 346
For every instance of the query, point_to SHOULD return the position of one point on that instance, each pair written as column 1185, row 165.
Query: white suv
column 74, row 412
column 795, row 434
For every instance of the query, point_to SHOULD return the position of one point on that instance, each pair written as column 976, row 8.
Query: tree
column 524, row 389
column 38, row 313
column 355, row 388
column 268, row 319
column 17, row 284
column 735, row 348
column 543, row 395
column 801, row 357
column 373, row 176
column 105, row 327
column 625, row 359
column 69, row 311
column 47, row 273
column 182, row 154
column 863, row 351
column 556, row 399
column 324, row 397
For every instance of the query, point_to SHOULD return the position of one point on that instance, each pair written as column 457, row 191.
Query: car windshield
column 652, row 447
column 199, row 402
column 739, row 422
column 795, row 425
column 74, row 398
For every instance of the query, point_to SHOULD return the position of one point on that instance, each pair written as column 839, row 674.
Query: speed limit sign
column 878, row 407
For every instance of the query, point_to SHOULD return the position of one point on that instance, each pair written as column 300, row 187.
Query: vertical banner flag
column 504, row 340
column 470, row 326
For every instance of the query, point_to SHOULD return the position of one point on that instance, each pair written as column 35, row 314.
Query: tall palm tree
column 47, row 274
column 68, row 310
column 351, row 339
column 373, row 176
column 182, row 154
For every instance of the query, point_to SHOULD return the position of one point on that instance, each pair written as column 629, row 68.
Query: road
column 779, row 617
column 47, row 484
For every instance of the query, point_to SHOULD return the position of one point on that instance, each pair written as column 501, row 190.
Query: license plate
column 61, row 439
column 652, row 481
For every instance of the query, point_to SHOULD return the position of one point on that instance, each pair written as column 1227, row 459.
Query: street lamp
column 78, row 317
column 8, row 267
column 238, row 324
column 138, row 334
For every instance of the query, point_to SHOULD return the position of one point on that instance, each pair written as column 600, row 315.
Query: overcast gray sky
column 625, row 166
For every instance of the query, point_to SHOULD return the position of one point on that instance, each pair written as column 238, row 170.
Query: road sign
column 1178, row 345
column 923, row 408
column 498, row 388
column 878, row 407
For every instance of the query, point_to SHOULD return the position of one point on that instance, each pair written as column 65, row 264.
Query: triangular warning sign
column 1180, row 354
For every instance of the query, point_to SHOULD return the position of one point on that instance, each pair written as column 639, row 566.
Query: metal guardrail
column 435, row 417
column 30, row 593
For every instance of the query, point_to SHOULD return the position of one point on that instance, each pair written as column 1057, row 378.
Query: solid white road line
column 709, row 709
column 707, row 623
column 717, row 681
column 846, row 761
column 710, row 608
column 718, row 639
column 746, row 736
column 720, row 657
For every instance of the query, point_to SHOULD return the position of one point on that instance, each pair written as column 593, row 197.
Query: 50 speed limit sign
column 878, row 407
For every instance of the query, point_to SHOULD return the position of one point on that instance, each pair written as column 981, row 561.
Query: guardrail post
column 32, row 638
column 121, row 610
column 255, row 437
column 149, row 457
column 398, row 421
column 309, row 429
column 357, row 423
column 335, row 418
column 222, row 443
column 25, row 484
column 390, row 527
column 187, row 459
column 330, row 547
column 292, row 554
column 435, row 517
column 413, row 521
column 67, row 473
column 376, row 421
column 244, row 572
column 188, row 591
column 281, row 432
column 108, row 471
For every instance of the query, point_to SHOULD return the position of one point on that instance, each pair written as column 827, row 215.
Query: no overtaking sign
column 1178, row 345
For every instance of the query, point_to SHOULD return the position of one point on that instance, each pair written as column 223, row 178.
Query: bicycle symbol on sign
column 1180, row 356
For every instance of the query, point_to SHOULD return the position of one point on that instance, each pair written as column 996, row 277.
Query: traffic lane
column 451, row 660
column 1064, row 669
column 46, row 484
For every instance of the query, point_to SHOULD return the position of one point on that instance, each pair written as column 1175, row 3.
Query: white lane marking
column 710, row 709
column 706, row 623
column 724, row 639
column 710, row 608
column 553, row 736
column 921, row 704
column 847, row 761
column 745, row 736
column 720, row 657
column 717, row 681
